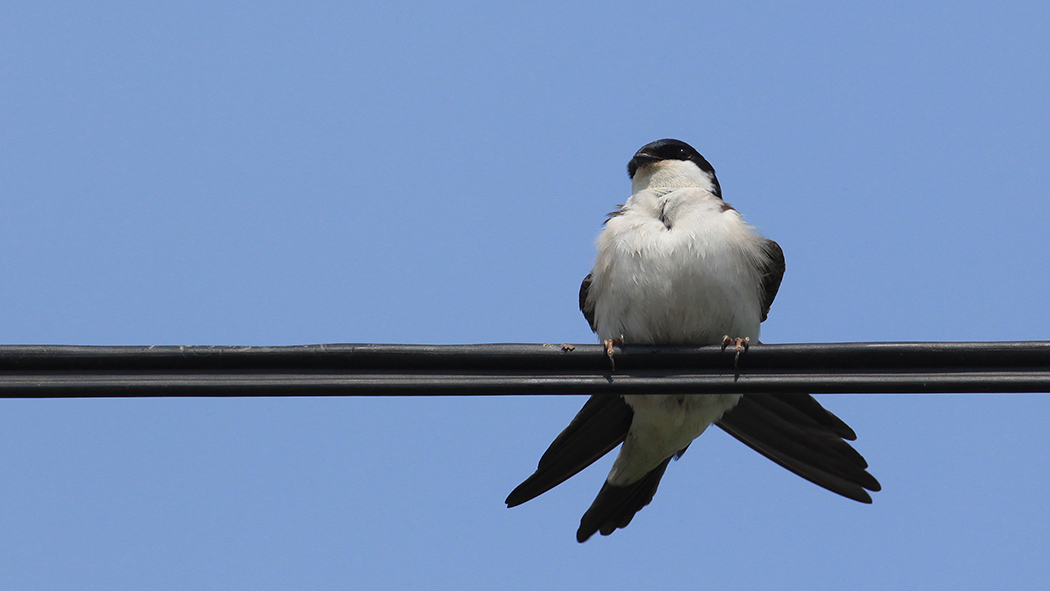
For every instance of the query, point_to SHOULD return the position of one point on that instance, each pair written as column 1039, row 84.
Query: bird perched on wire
column 677, row 265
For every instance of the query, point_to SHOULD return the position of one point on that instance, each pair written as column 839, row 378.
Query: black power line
column 72, row 371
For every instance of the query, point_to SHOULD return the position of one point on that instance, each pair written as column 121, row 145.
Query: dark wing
column 771, row 273
column 599, row 427
column 586, row 302
column 796, row 432
column 615, row 506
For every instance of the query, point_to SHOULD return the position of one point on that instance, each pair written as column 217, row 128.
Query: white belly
column 693, row 284
column 663, row 425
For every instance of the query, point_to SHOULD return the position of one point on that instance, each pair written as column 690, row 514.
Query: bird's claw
column 741, row 344
column 609, row 344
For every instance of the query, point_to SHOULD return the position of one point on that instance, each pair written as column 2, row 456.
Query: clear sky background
column 317, row 172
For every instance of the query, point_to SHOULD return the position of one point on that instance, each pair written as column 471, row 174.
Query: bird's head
column 671, row 163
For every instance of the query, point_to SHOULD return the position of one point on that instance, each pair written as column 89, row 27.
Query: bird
column 677, row 265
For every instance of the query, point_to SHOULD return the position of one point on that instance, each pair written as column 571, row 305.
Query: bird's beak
column 641, row 158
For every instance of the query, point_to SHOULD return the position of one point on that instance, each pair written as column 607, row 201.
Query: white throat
column 672, row 174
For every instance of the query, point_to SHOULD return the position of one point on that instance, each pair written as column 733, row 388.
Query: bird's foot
column 609, row 344
column 741, row 344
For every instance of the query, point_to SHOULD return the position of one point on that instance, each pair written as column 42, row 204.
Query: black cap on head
column 667, row 149
column 671, row 149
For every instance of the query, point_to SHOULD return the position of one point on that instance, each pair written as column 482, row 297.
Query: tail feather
column 793, row 430
column 615, row 506
column 597, row 429
column 780, row 414
column 809, row 406
column 797, row 433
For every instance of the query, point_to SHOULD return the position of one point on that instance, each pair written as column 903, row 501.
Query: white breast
column 691, row 283
column 677, row 266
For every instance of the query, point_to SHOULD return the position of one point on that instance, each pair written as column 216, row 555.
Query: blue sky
column 288, row 173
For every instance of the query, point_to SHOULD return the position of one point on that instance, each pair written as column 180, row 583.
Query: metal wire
column 73, row 371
